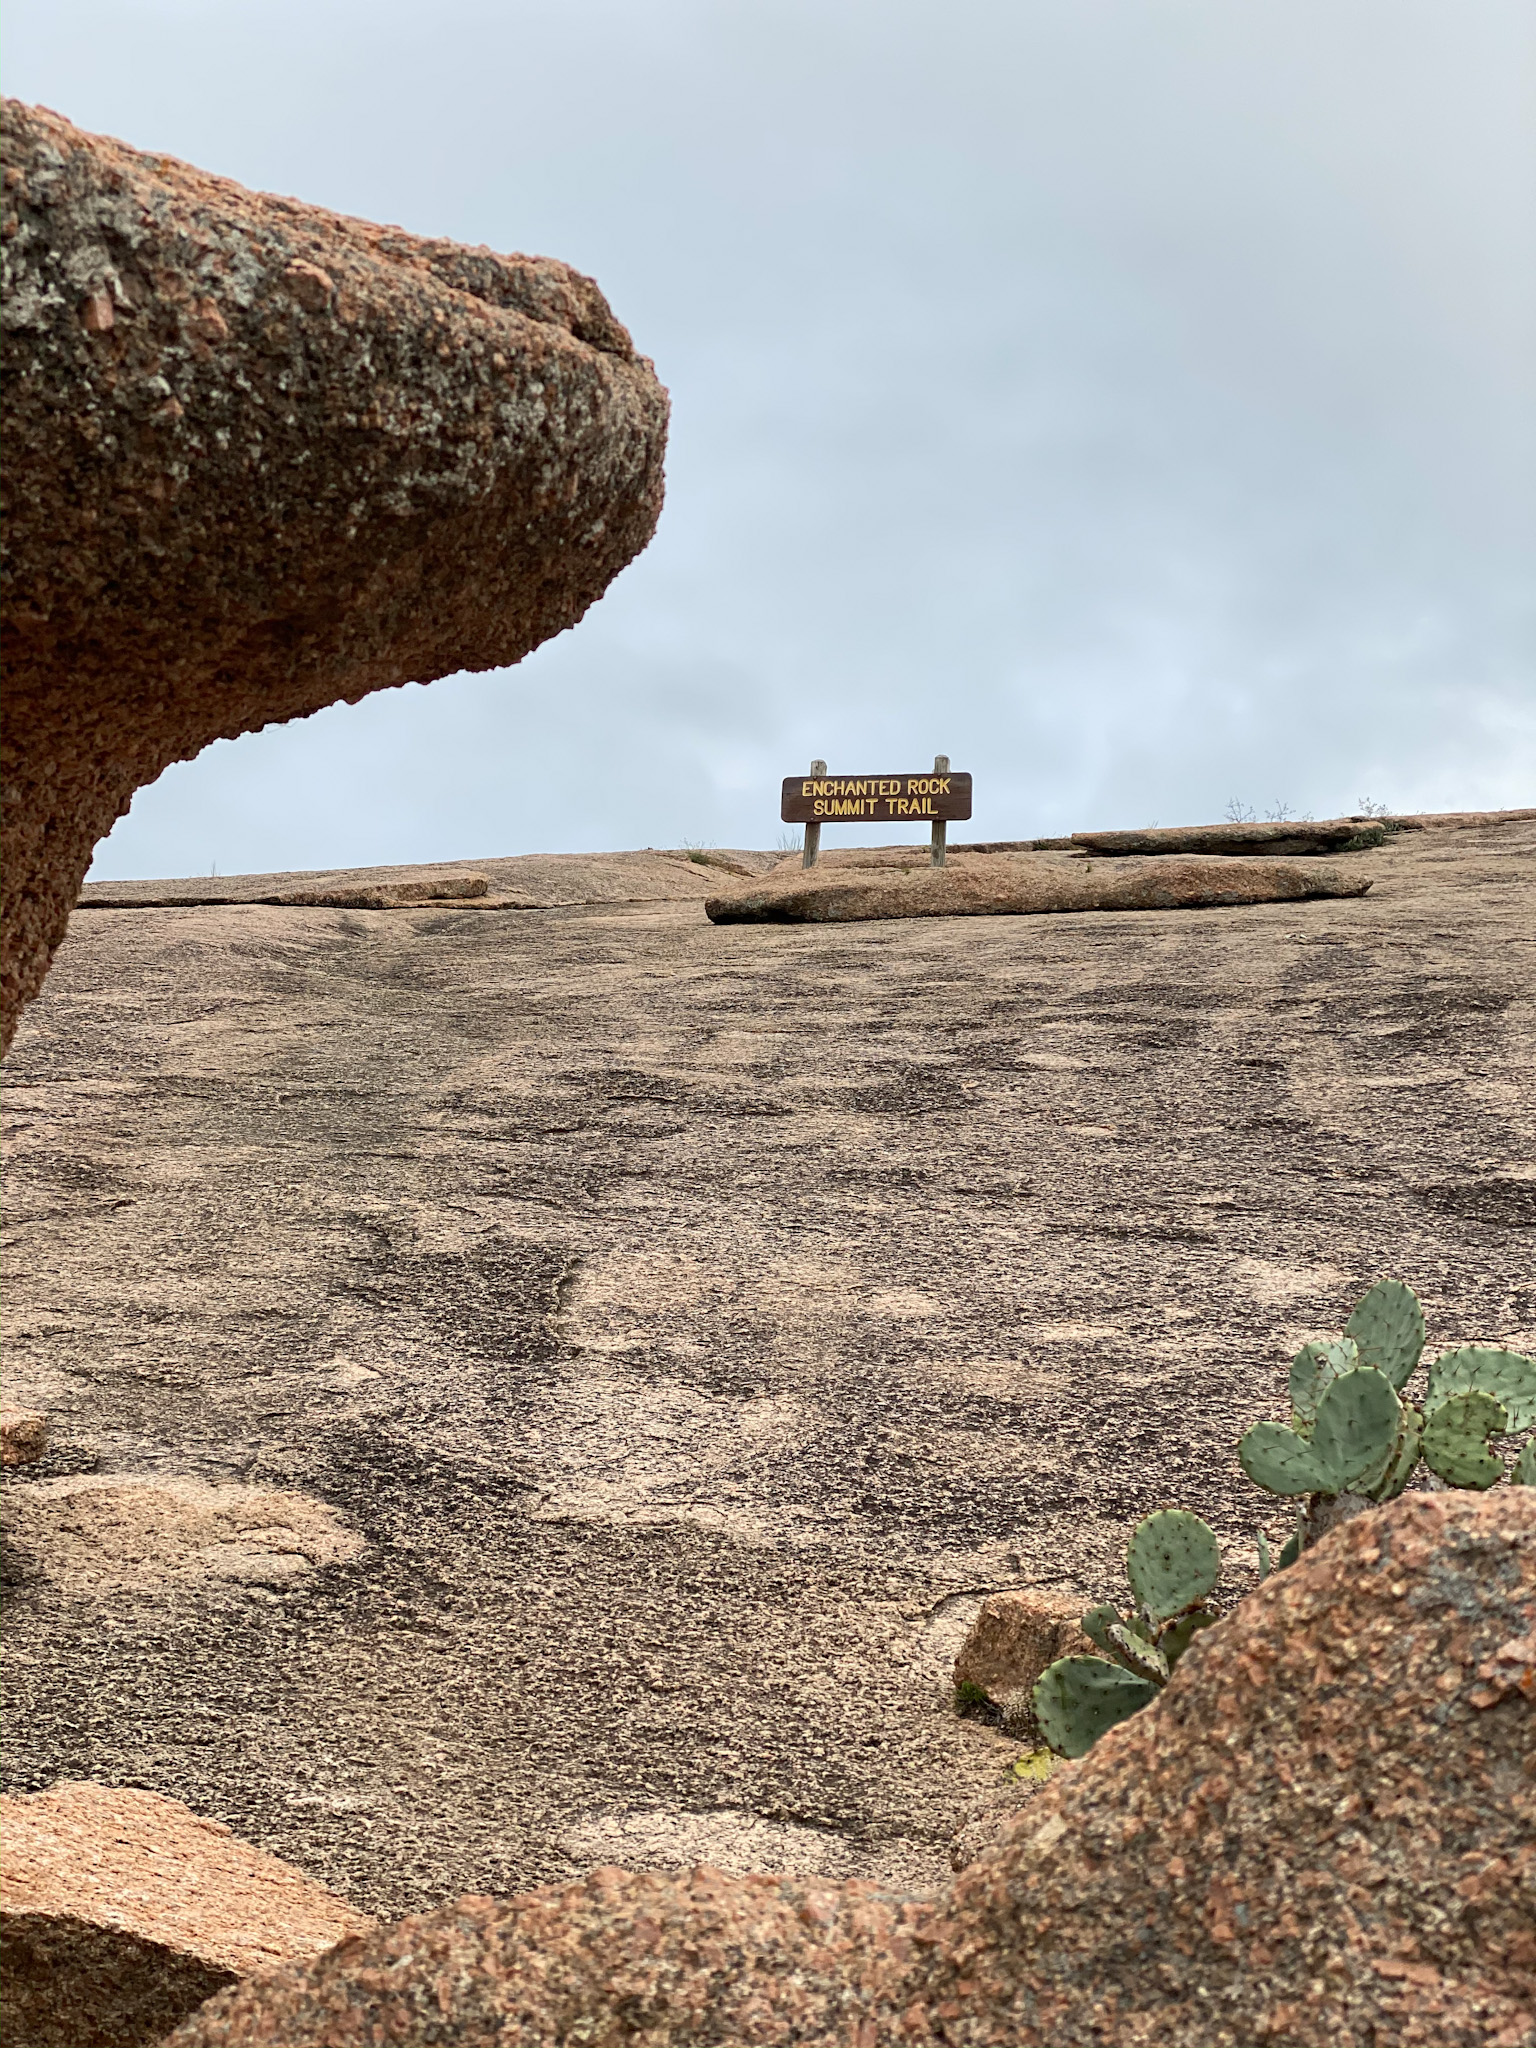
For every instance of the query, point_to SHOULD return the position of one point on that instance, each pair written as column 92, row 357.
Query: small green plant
column 1351, row 1432
column 1173, row 1564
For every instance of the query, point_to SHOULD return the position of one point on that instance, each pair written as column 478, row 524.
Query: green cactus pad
column 1282, row 1462
column 1358, row 1421
column 1456, row 1440
column 1137, row 1654
column 1077, row 1698
column 1405, row 1458
column 1173, row 1561
column 1508, row 1376
column 1178, row 1636
column 1388, row 1328
column 1291, row 1551
column 1524, row 1473
column 1096, row 1623
column 1314, row 1368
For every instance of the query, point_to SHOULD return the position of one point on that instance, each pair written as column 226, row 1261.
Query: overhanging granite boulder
column 261, row 458
column 121, row 1912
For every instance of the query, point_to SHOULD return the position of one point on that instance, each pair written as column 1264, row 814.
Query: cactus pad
column 1388, row 1328
column 1172, row 1563
column 1095, row 1625
column 1178, row 1635
column 1137, row 1654
column 1405, row 1458
column 1524, row 1473
column 1077, row 1698
column 1508, row 1376
column 1456, row 1439
column 1358, row 1422
column 1282, row 1462
column 1314, row 1368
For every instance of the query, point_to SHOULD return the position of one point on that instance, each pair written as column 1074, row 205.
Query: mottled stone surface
column 1010, row 1643
column 120, row 1912
column 261, row 458
column 695, row 1322
column 1323, row 1832
column 1001, row 885
column 23, row 1435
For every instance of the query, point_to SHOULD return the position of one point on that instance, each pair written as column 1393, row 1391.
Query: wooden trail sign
column 821, row 799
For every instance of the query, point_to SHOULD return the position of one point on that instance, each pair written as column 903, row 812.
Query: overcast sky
column 1133, row 399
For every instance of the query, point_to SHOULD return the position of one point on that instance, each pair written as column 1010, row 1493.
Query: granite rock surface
column 1012, row 1640
column 692, row 1324
column 1323, row 1832
column 121, row 1912
column 261, row 458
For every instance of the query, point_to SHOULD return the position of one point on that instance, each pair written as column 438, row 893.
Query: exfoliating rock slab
column 997, row 886
column 1334, row 835
column 121, row 1912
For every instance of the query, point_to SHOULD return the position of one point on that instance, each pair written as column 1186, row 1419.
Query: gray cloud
column 1132, row 399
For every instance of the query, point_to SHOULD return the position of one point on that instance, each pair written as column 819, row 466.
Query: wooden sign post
column 819, row 798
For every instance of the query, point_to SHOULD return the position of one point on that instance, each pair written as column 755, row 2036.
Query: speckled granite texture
column 1323, row 1833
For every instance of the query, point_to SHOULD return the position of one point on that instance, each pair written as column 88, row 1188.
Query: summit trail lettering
column 819, row 798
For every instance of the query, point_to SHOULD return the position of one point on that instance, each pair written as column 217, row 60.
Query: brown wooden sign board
column 874, row 799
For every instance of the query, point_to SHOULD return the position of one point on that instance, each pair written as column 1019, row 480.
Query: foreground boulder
column 1337, row 835
column 994, row 885
column 1323, row 1832
column 261, row 458
column 121, row 1912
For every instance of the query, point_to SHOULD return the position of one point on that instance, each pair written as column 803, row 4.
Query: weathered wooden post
column 813, row 830
column 940, row 825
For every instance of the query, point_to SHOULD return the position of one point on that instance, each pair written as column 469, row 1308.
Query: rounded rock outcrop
column 1320, row 1834
column 262, row 458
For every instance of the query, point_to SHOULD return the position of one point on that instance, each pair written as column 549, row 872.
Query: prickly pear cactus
column 1356, row 1435
column 1137, row 1655
column 1456, row 1439
column 1177, row 1637
column 1405, row 1457
column 1172, row 1563
column 1352, row 1440
column 1282, row 1462
column 1077, row 1698
column 1388, row 1330
column 1096, row 1624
